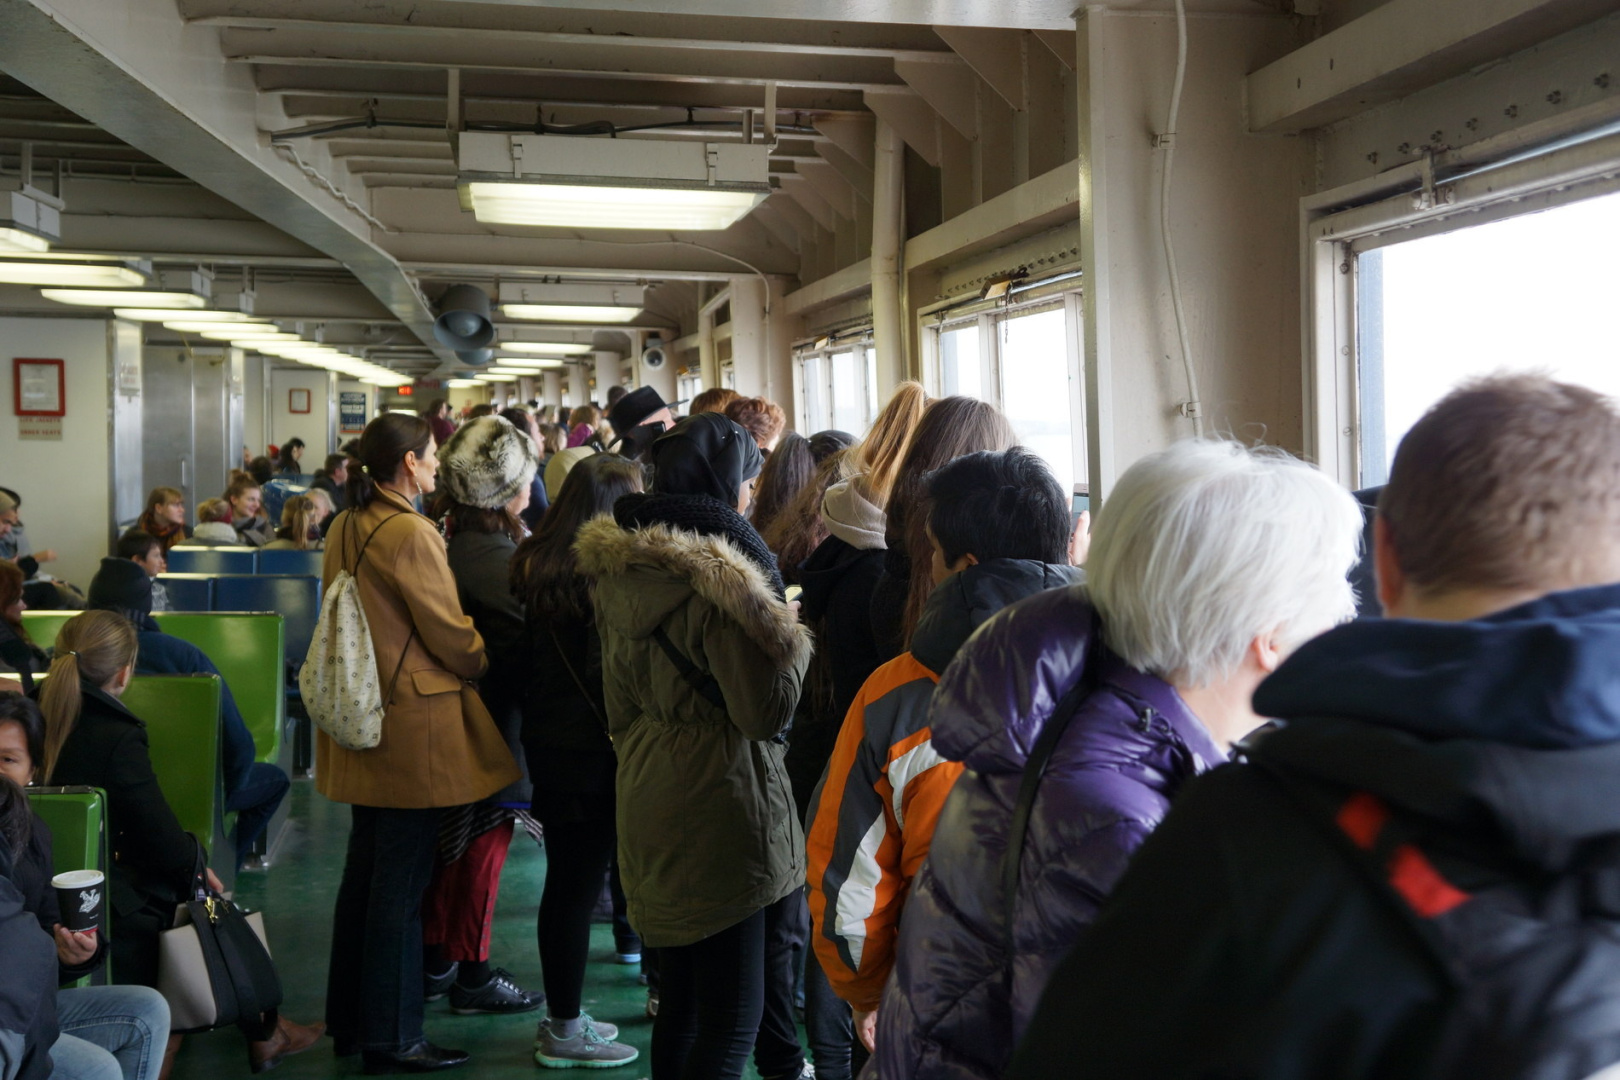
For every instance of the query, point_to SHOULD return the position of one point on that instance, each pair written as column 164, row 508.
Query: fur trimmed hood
column 669, row 566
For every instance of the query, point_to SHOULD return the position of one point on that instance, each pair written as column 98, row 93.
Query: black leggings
column 578, row 854
column 712, row 1000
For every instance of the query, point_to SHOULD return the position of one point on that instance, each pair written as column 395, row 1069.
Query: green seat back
column 249, row 651
column 77, row 818
column 247, row 648
column 181, row 713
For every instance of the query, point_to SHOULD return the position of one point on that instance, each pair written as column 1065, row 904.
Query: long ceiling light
column 462, row 384
column 20, row 242
column 572, row 303
column 567, row 181
column 543, row 348
column 88, row 275
column 191, row 326
column 125, row 298
column 485, row 377
column 146, row 314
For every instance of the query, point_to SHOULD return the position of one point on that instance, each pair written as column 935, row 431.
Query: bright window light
column 16, row 240
column 543, row 348
column 163, row 315
column 579, row 313
column 139, row 298
column 71, row 274
column 576, row 206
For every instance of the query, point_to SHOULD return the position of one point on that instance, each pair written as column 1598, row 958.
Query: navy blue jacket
column 165, row 654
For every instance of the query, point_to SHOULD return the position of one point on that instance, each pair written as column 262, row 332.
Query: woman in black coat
column 91, row 739
column 570, row 757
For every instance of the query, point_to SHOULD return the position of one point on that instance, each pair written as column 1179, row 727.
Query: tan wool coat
column 439, row 746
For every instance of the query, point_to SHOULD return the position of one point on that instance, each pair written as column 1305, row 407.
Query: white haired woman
column 1209, row 563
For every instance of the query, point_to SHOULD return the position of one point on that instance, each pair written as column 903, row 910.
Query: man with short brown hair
column 1419, row 874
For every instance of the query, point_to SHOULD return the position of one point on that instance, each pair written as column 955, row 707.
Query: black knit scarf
column 705, row 516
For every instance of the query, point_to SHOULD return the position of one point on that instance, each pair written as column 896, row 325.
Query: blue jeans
column 255, row 803
column 110, row 1033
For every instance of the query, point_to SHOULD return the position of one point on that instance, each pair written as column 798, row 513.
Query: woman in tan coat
column 439, row 748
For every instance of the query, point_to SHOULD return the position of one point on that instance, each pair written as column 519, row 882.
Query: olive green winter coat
column 707, row 830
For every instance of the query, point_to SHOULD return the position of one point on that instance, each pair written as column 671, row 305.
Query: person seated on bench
column 330, row 478
column 300, row 526
column 107, row 1032
column 146, row 551
column 165, row 517
column 28, row 1024
column 91, row 739
column 40, row 590
column 213, row 524
column 18, row 653
column 247, row 515
column 253, row 789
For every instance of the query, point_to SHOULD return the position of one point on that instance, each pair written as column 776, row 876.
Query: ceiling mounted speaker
column 653, row 355
column 475, row 357
column 463, row 323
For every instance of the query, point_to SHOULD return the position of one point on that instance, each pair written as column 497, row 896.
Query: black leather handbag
column 214, row 964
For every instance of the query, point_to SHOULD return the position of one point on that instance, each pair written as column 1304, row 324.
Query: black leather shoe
column 501, row 995
column 421, row 1058
column 435, row 987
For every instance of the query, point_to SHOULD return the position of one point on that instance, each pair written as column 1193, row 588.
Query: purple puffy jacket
column 955, row 1007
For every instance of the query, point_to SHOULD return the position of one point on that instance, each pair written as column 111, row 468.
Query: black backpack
column 1532, row 959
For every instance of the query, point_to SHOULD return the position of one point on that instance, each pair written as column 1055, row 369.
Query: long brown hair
column 886, row 443
column 298, row 521
column 167, row 532
column 11, row 590
column 798, row 530
column 91, row 649
column 543, row 574
column 950, row 427
column 787, row 469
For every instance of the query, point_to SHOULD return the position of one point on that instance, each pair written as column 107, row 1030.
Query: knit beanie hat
column 120, row 585
column 705, row 454
column 487, row 462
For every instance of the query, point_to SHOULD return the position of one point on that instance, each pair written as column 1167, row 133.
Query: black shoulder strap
column 579, row 682
column 1039, row 755
column 700, row 681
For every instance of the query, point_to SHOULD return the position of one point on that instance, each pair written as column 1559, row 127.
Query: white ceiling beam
column 997, row 55
column 811, row 202
column 830, row 185
column 486, row 51
column 1397, row 49
column 769, row 214
column 1062, row 45
column 854, row 134
column 859, row 176
column 951, row 91
column 912, row 117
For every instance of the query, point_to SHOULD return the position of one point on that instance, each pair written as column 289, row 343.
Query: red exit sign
column 406, row 391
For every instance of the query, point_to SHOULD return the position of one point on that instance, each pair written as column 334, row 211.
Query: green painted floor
column 296, row 896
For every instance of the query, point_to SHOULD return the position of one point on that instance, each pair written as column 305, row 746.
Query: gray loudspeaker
column 475, row 357
column 463, row 323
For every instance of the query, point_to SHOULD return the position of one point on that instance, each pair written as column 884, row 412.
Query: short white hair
column 1205, row 546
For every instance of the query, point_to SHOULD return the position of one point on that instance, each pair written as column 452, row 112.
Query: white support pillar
column 607, row 374
column 888, row 241
column 551, row 393
column 748, row 337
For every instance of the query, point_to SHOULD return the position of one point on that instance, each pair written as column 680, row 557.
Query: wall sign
column 40, row 387
column 40, row 428
column 351, row 411
column 298, row 401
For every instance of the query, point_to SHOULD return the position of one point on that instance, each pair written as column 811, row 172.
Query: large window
column 838, row 387
column 1025, row 359
column 1537, row 292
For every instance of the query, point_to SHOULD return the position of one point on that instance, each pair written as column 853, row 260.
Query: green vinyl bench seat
column 77, row 818
column 181, row 713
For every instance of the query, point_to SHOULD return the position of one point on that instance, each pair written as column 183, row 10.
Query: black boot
column 423, row 1057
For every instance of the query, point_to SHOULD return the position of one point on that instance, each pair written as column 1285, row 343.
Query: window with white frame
column 1023, row 358
column 1438, row 279
column 688, row 384
column 838, row 387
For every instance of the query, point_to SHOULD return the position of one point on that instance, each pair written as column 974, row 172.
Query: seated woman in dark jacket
column 91, row 739
column 1209, row 563
column 18, row 654
column 105, row 1030
column 569, row 754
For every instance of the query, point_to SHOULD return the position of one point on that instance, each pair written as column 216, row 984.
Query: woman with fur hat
column 702, row 662
column 484, row 474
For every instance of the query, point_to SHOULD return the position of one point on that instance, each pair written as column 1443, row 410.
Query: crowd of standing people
column 886, row 724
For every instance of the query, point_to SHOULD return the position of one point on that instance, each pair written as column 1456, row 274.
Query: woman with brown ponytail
column 439, row 747
column 91, row 739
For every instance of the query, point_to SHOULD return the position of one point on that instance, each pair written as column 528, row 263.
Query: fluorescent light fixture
column 20, row 242
column 163, row 315
column 520, row 372
column 571, row 313
column 246, row 332
column 462, row 384
column 182, row 320
column 379, row 380
column 495, row 378
column 544, row 348
column 114, row 298
column 571, row 182
column 86, row 275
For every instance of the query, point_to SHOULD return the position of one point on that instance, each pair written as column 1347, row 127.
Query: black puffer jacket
column 28, row 1027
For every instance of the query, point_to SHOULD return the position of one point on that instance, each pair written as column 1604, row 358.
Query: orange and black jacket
column 872, row 818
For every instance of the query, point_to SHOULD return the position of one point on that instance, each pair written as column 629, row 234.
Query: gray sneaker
column 586, row 1050
column 603, row 1028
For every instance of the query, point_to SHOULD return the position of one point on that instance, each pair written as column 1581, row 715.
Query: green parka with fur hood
column 707, row 829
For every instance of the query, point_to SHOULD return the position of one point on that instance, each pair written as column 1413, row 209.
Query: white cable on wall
column 1167, row 142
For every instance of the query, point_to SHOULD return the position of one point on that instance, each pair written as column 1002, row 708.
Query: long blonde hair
column 297, row 519
column 90, row 649
column 878, row 457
